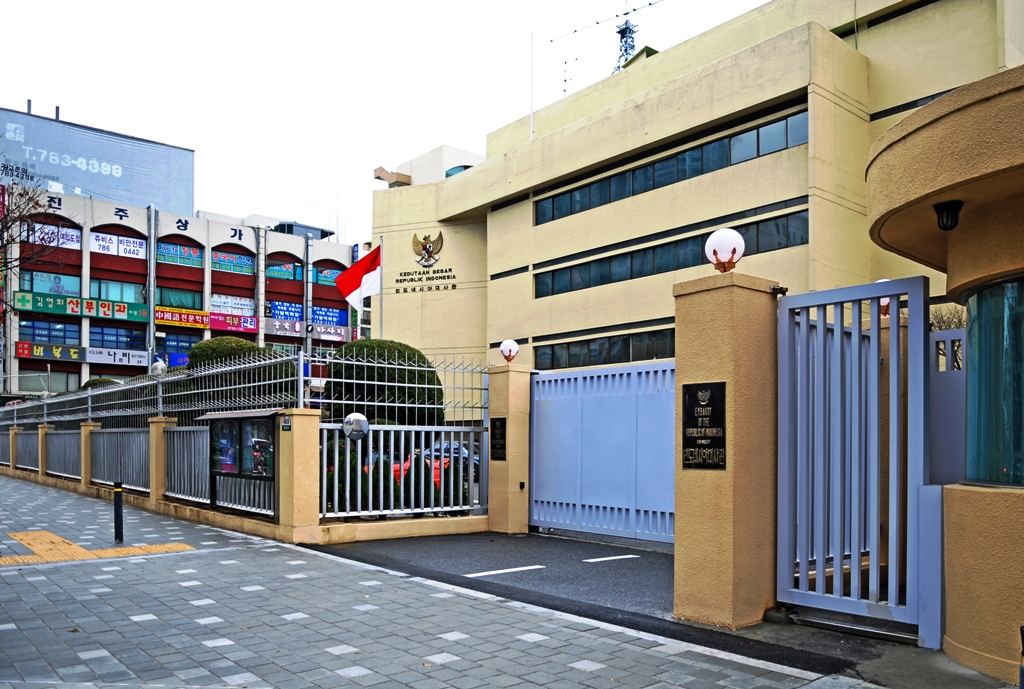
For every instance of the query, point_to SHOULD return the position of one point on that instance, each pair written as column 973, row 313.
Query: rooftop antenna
column 626, row 31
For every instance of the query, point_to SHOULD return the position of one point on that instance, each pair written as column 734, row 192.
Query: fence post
column 14, row 446
column 298, row 474
column 508, row 482
column 158, row 457
column 725, row 525
column 44, row 428
column 85, row 450
column 299, row 404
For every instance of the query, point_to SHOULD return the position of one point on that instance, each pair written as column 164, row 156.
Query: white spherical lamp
column 509, row 349
column 724, row 249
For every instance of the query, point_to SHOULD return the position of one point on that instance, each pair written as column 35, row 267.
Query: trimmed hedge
column 98, row 382
column 218, row 348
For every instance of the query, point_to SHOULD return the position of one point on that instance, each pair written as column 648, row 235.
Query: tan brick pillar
column 508, row 481
column 14, row 446
column 725, row 519
column 44, row 428
column 85, row 450
column 298, row 473
column 158, row 456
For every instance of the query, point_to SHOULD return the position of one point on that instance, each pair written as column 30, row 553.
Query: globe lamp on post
column 509, row 349
column 724, row 248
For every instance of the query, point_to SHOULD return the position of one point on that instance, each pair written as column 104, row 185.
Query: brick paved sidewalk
column 245, row 612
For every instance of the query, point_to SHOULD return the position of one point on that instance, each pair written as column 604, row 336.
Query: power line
column 604, row 21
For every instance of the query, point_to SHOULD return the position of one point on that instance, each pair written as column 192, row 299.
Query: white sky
column 290, row 106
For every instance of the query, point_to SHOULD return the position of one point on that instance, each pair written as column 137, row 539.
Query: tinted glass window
column 771, row 138
column 581, row 276
column 797, row 129
column 797, row 229
column 688, row 252
column 561, row 281
column 543, row 210
column 771, row 234
column 600, row 272
column 620, row 267
column 749, row 234
column 559, row 356
column 715, row 155
column 579, row 354
column 743, row 147
column 621, row 186
column 664, row 344
column 561, row 206
column 542, row 358
column 642, row 346
column 665, row 258
column 600, row 193
column 599, row 351
column 688, row 164
column 665, row 172
column 643, row 263
column 542, row 285
column 643, row 179
column 179, row 298
column 580, row 199
column 618, row 349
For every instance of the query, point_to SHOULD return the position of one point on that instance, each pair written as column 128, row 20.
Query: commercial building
column 118, row 285
column 568, row 238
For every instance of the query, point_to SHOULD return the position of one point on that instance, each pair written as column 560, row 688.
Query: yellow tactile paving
column 49, row 547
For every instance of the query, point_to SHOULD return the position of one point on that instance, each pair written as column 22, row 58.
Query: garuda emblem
column 703, row 396
column 427, row 249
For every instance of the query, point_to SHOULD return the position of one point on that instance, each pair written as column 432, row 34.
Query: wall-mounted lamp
column 724, row 249
column 509, row 349
column 948, row 213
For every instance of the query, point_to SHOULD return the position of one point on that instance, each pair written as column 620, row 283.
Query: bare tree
column 24, row 239
column 950, row 317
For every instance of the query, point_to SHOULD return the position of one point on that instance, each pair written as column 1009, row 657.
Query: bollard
column 118, row 514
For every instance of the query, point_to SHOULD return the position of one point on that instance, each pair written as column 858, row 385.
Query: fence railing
column 188, row 463
column 121, row 455
column 245, row 494
column 401, row 470
column 64, row 454
column 27, row 447
column 5, row 447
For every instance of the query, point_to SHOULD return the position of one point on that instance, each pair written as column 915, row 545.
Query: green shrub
column 98, row 382
column 219, row 348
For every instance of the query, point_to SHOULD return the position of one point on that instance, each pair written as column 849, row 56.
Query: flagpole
column 380, row 328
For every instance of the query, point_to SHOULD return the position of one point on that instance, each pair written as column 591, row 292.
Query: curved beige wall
column 984, row 554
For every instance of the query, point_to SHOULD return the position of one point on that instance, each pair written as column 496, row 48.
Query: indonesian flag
column 361, row 280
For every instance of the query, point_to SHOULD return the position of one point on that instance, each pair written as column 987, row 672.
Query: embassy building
column 569, row 239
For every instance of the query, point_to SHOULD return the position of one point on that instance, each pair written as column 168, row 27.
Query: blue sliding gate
column 602, row 450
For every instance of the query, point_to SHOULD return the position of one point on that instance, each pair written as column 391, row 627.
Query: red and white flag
column 361, row 280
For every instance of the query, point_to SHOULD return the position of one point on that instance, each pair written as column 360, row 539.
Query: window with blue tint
column 743, row 147
column 600, row 272
column 715, row 155
column 559, row 356
column 797, row 229
column 664, row 258
column 543, row 210
column 771, row 234
column 688, row 164
column 622, row 187
column 620, row 267
column 771, row 138
column 562, row 206
column 796, row 126
column 600, row 193
column 456, row 170
column 561, row 281
column 579, row 354
column 599, row 351
column 116, row 291
column 643, row 263
column 45, row 332
column 542, row 285
column 542, row 358
column 643, row 179
column 179, row 298
column 580, row 278
column 176, row 343
column 664, row 173
column 580, row 199
column 749, row 234
column 618, row 349
column 688, row 252
column 116, row 338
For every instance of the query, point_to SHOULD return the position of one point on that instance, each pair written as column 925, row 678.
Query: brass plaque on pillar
column 704, row 426
column 497, row 439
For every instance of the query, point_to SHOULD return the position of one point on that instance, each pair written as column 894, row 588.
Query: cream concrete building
column 569, row 238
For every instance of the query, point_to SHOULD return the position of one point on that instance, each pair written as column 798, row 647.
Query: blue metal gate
column 602, row 451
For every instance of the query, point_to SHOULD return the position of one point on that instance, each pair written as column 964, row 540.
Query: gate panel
column 602, row 454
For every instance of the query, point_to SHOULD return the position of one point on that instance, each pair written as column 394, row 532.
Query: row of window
column 117, row 338
column 45, row 332
column 767, row 235
column 179, row 298
column 618, row 349
column 712, row 156
column 111, row 290
column 176, row 343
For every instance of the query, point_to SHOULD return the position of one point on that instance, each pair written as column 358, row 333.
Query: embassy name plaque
column 704, row 426
column 498, row 453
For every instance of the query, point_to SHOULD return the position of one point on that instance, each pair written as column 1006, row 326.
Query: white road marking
column 504, row 571
column 614, row 557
